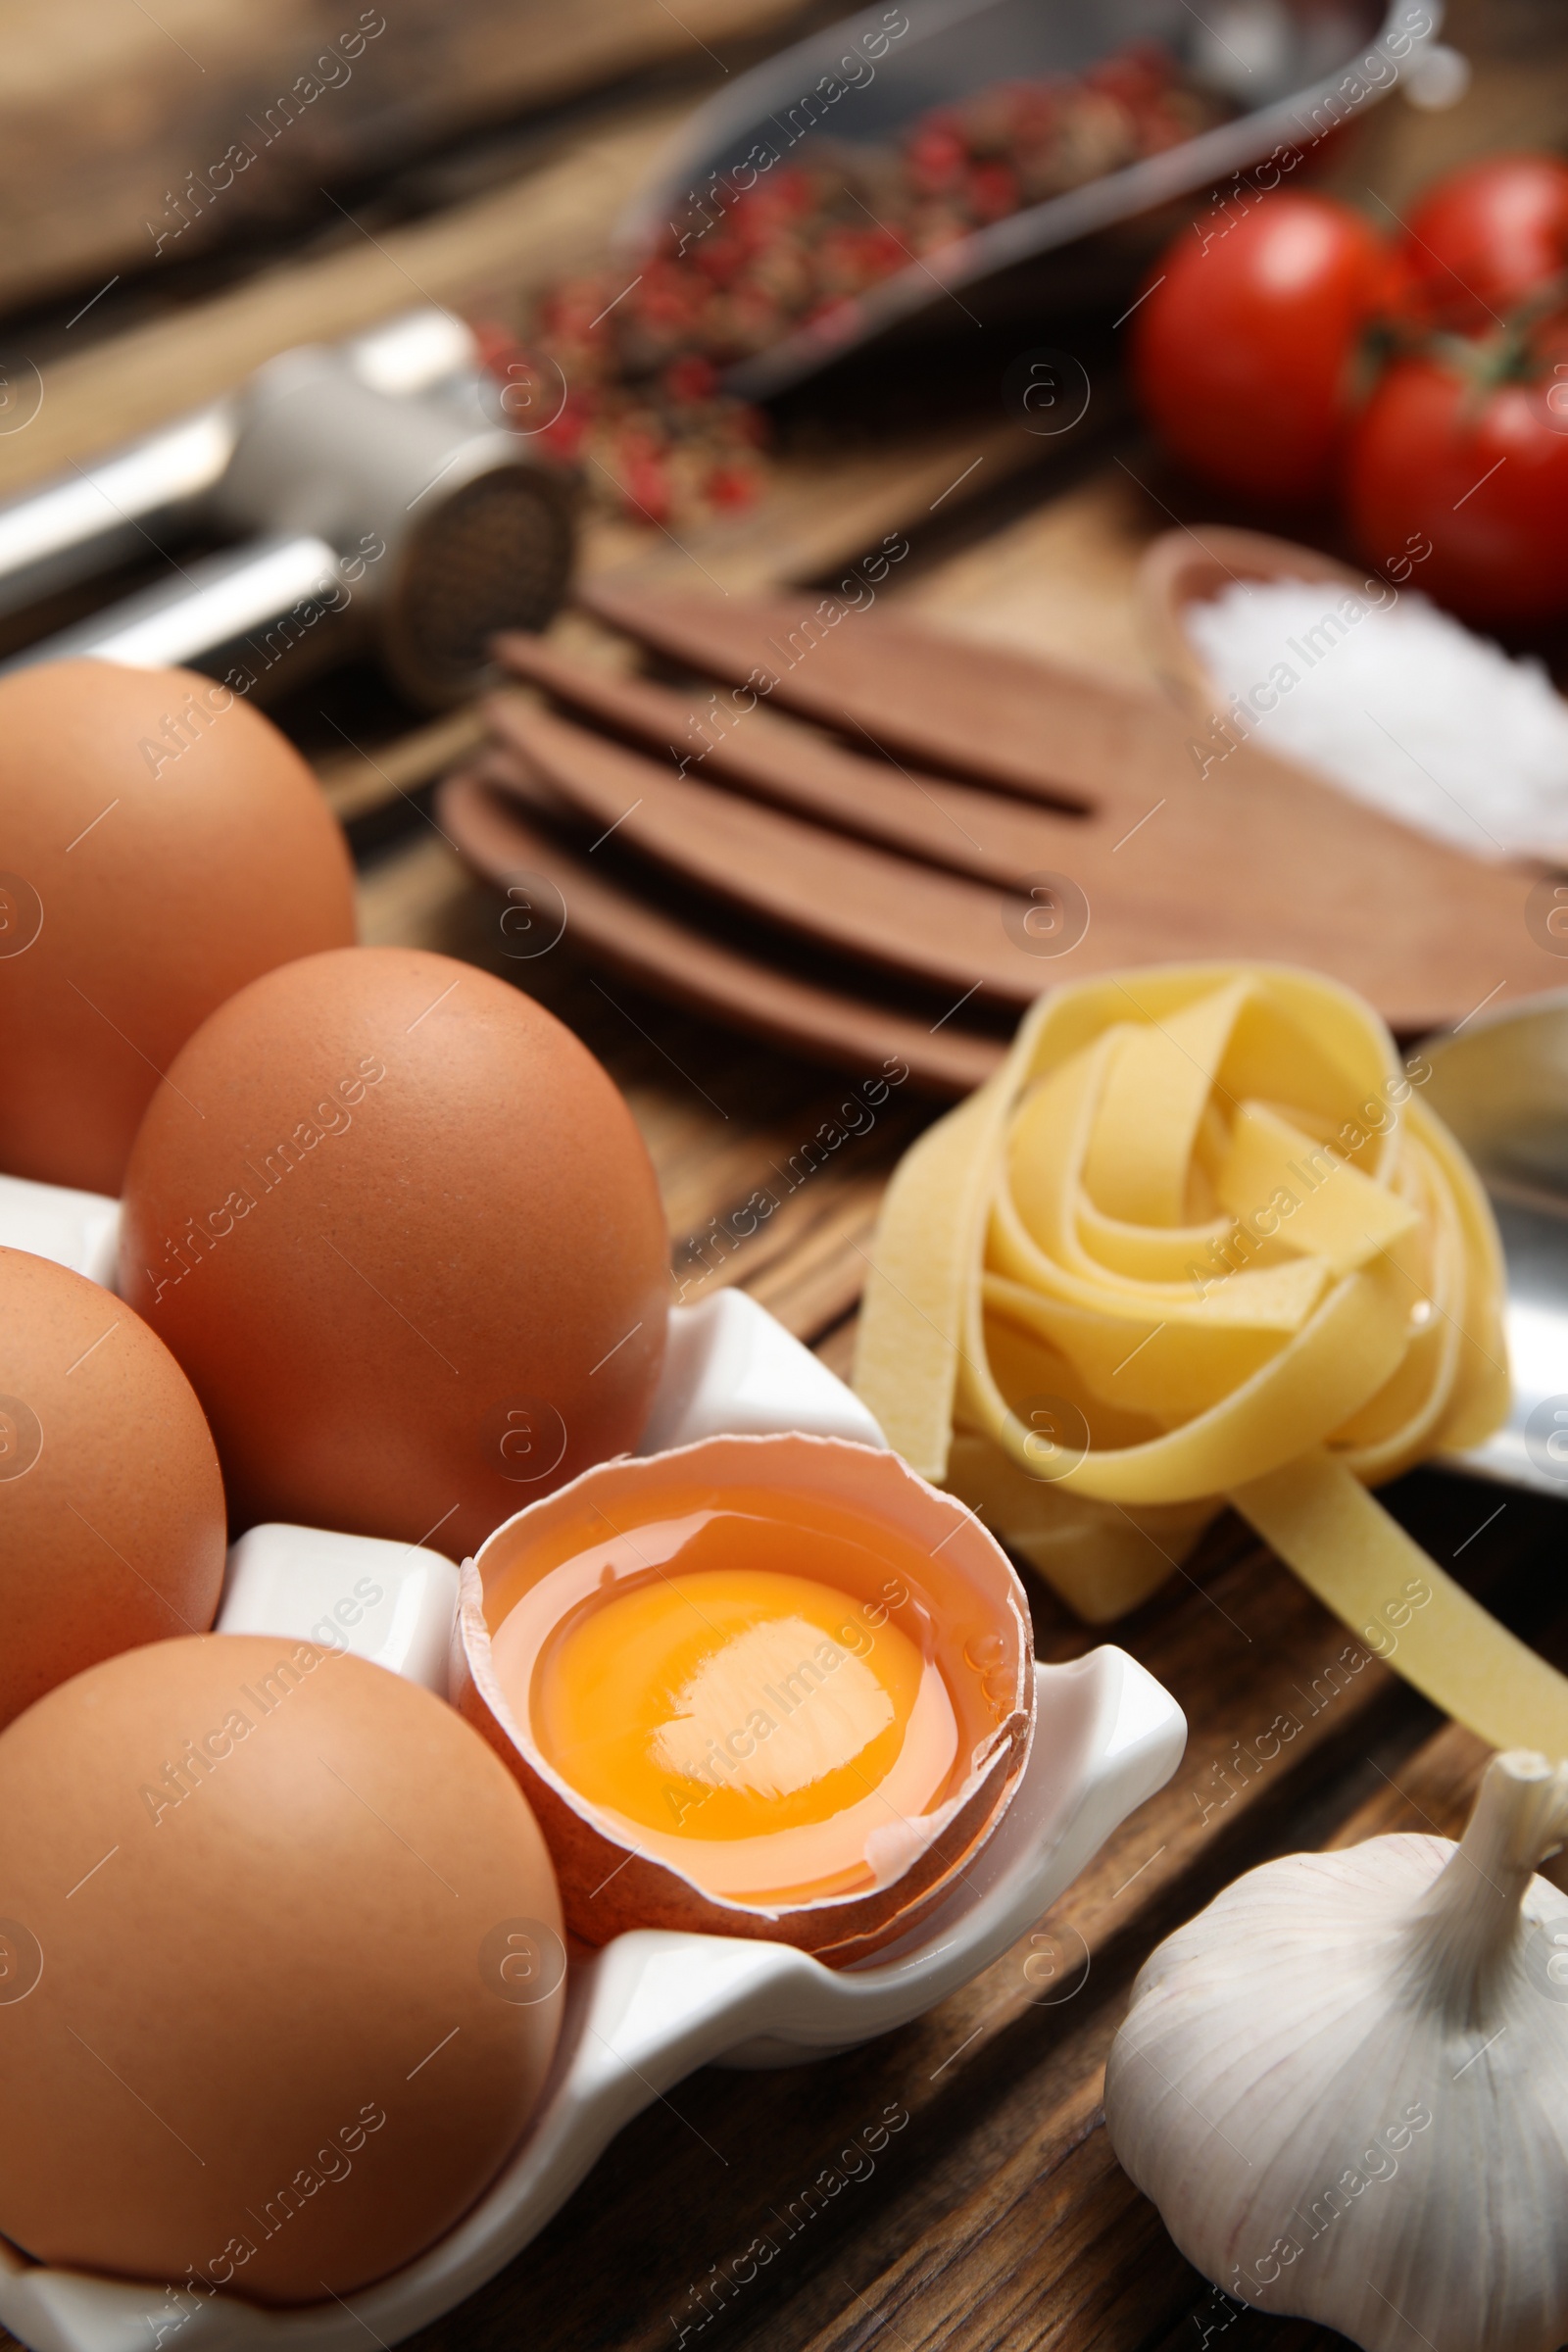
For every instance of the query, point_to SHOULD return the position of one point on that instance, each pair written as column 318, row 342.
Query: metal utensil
column 1282, row 61
column 374, row 476
column 1500, row 1082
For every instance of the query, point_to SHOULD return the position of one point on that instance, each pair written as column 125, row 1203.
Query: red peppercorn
column 641, row 351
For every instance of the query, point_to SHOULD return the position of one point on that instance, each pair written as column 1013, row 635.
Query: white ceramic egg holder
column 651, row 2006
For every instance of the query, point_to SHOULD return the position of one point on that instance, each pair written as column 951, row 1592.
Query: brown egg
column 772, row 1685
column 111, row 1503
column 283, row 1968
column 162, row 845
column 401, row 1231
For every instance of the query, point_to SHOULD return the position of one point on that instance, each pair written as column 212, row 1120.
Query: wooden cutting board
column 1187, row 849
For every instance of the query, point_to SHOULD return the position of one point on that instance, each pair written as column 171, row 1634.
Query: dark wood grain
column 115, row 128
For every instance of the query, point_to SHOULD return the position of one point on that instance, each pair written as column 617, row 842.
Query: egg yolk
column 726, row 1703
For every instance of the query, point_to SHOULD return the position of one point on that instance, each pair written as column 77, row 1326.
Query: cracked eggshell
column 967, row 1591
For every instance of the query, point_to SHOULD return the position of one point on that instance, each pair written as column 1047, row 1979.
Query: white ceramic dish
column 651, row 2006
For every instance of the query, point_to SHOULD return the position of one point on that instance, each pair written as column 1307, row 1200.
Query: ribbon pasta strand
column 1198, row 1240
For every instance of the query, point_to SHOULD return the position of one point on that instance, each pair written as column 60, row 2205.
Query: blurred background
column 475, row 155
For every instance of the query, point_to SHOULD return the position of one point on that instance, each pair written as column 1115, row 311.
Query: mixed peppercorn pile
column 617, row 372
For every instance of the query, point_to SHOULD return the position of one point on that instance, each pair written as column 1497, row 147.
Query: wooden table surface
column 950, row 2185
column 748, row 2210
column 755, row 2211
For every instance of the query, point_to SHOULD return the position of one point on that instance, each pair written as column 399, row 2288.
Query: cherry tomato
column 1244, row 352
column 1447, row 450
column 1485, row 238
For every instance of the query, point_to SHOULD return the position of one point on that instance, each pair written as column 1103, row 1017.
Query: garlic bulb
column 1345, row 2084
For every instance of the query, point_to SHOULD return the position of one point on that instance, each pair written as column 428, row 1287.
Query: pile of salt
column 1397, row 704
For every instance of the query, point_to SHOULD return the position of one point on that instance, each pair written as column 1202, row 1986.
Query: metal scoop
column 1500, row 1083
column 1285, row 65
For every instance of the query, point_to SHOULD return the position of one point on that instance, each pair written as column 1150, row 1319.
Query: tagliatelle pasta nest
column 1199, row 1240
